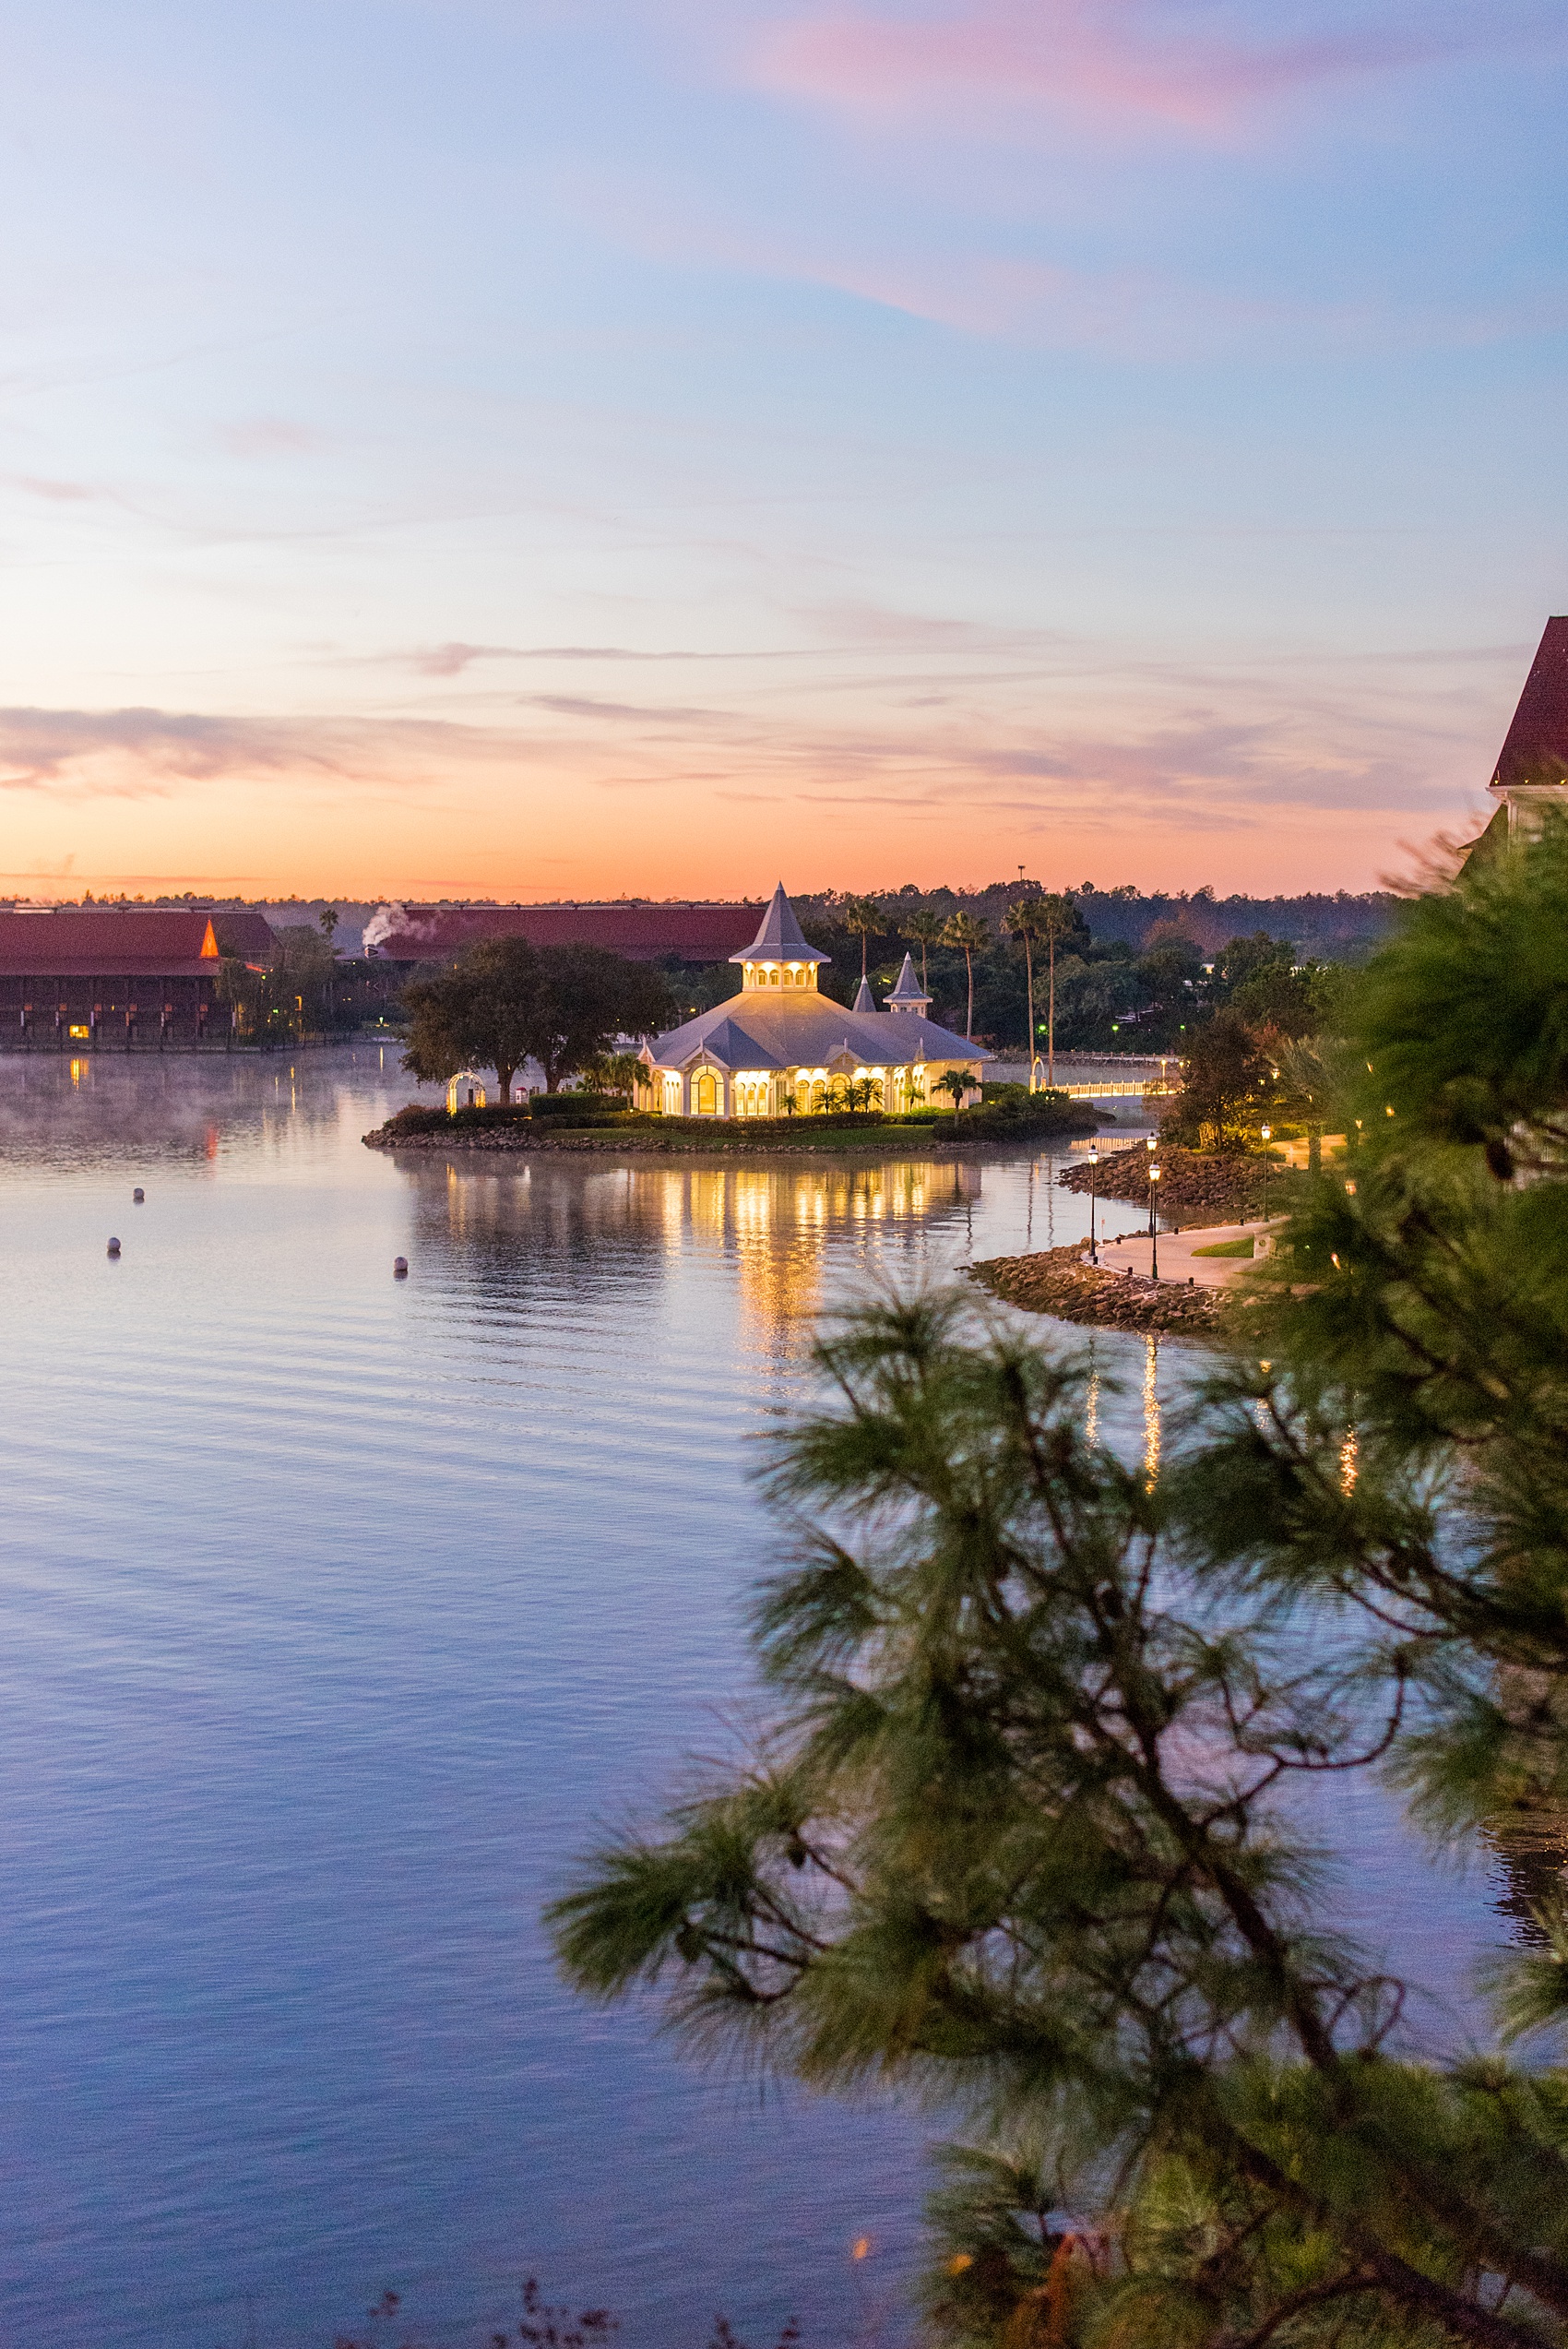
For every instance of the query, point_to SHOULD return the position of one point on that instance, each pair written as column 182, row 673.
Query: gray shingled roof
column 780, row 938
column 805, row 1030
column 908, row 990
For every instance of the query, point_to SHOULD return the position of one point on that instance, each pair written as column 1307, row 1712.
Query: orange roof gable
column 209, row 941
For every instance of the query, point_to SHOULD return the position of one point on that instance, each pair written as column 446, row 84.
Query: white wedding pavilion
column 781, row 1045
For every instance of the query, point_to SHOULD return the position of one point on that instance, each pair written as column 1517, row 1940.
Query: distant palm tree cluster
column 1031, row 972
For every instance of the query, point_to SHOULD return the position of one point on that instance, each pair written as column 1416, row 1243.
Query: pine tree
column 1019, row 1839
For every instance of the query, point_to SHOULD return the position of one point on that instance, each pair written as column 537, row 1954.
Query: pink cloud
column 270, row 436
column 1109, row 57
column 54, row 493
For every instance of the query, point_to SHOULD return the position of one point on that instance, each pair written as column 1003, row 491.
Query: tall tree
column 863, row 918
column 1021, row 922
column 1022, row 1834
column 587, row 998
column 971, row 936
column 1229, row 1085
column 1059, row 918
column 484, row 1012
column 923, row 928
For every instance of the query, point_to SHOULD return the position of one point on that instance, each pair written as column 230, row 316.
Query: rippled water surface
column 338, row 1613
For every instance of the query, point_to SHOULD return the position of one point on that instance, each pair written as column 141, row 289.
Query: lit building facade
column 781, row 1047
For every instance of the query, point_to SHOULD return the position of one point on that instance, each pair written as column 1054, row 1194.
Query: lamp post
column 1266, row 1131
column 1094, row 1176
column 1149, row 1145
column 1153, row 1221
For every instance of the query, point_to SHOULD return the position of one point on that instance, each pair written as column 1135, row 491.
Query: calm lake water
column 339, row 1615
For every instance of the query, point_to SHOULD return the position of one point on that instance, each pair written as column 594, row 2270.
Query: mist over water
column 341, row 1614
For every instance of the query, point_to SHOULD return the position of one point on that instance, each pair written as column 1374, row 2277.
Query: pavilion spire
column 780, row 938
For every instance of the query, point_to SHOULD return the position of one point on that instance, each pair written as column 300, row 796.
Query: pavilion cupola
column 908, row 995
column 780, row 957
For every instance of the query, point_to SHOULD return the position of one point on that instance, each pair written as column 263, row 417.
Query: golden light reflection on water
column 777, row 1224
column 1350, row 1463
column 1091, row 1409
column 781, row 1221
column 1152, row 1413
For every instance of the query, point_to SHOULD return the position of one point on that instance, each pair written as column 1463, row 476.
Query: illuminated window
column 79, row 1030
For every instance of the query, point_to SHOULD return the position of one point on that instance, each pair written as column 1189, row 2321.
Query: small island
column 777, row 1067
column 591, row 1121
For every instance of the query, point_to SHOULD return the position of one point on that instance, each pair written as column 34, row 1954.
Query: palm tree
column 1022, row 919
column 956, row 1082
column 1056, row 917
column 862, row 917
column 923, row 929
column 971, row 936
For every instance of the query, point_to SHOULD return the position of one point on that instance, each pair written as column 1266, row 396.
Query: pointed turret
column 907, row 995
column 778, row 954
column 780, row 938
column 864, row 999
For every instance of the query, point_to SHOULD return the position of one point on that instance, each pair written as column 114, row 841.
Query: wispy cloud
column 54, row 493
column 1130, row 59
column 624, row 712
column 151, row 753
column 1129, row 308
column 453, row 660
column 270, row 436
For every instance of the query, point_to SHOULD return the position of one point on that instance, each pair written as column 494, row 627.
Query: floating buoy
column 114, row 1248
column 399, row 1266
column 139, row 1195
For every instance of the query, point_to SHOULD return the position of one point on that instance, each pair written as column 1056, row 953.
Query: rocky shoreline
column 1063, row 1282
column 1194, row 1186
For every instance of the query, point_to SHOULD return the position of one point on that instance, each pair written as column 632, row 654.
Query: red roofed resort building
column 122, row 976
column 780, row 1046
column 690, row 933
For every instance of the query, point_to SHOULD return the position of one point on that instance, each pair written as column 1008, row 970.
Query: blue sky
column 574, row 448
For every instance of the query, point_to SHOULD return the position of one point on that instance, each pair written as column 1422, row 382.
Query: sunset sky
column 656, row 445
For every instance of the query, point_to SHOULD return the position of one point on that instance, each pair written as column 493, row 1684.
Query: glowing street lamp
column 1153, row 1220
column 1149, row 1146
column 1266, row 1131
column 1094, row 1176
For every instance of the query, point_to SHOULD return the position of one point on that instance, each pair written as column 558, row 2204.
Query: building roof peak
column 908, row 995
column 780, row 938
column 1536, row 750
column 864, row 999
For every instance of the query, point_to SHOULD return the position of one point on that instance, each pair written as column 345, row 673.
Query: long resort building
column 78, row 978
column 781, row 1046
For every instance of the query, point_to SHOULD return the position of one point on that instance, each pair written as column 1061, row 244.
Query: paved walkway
column 1178, row 1260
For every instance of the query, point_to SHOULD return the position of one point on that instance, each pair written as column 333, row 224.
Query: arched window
column 705, row 1094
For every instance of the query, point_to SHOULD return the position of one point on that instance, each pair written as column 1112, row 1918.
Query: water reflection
column 1531, row 1854
column 1152, row 1413
column 780, row 1225
column 340, row 1612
